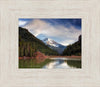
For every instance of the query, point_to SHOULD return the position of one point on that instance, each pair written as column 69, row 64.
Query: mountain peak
column 51, row 42
column 54, row 45
column 47, row 39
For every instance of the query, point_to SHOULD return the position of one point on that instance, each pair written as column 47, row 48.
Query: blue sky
column 63, row 31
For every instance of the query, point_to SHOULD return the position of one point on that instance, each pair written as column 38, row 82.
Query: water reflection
column 63, row 63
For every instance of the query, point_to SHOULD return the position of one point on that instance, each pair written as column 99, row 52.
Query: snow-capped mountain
column 50, row 42
column 54, row 45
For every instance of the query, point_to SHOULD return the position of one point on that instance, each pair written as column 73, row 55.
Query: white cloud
column 21, row 23
column 67, row 42
column 66, row 35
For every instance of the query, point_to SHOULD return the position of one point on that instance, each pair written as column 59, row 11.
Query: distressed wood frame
column 12, row 76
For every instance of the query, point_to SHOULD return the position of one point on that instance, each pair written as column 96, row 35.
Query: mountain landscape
column 54, row 45
column 50, row 43
column 29, row 44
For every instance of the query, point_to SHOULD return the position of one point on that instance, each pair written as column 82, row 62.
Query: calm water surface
column 63, row 63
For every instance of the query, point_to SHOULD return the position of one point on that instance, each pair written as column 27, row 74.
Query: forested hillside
column 29, row 44
column 74, row 49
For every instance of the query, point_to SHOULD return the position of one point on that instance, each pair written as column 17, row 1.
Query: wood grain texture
column 12, row 76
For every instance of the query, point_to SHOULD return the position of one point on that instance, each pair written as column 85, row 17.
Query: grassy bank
column 32, row 63
column 74, row 63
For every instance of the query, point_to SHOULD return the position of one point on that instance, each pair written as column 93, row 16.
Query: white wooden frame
column 12, row 76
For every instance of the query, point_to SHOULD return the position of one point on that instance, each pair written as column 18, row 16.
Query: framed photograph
column 47, row 43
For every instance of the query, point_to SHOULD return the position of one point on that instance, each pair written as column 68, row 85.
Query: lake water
column 63, row 63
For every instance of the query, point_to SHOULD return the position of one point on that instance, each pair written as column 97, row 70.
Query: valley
column 47, row 53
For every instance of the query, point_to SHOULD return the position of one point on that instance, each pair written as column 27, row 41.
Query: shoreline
column 67, row 56
column 78, row 57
